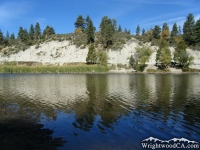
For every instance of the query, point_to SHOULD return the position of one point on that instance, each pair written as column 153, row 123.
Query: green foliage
column 197, row 32
column 156, row 32
column 163, row 54
column 53, row 69
column 182, row 56
column 80, row 23
column 102, row 58
column 91, row 56
column 165, row 27
column 48, row 31
column 7, row 35
column 37, row 34
column 165, row 57
column 12, row 36
column 31, row 32
column 131, row 61
column 162, row 44
column 119, row 28
column 142, row 55
column 90, row 30
column 174, row 31
column 189, row 30
column 106, row 31
column 3, row 41
column 138, row 30
column 143, row 32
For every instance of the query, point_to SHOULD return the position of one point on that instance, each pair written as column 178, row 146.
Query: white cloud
column 12, row 10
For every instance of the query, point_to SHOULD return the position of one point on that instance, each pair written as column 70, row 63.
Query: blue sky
column 61, row 14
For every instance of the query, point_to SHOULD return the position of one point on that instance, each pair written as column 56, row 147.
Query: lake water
column 108, row 111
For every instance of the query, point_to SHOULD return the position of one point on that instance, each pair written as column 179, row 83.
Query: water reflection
column 113, row 109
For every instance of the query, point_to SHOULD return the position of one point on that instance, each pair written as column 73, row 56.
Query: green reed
column 53, row 69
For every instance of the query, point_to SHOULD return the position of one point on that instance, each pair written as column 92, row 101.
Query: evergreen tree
column 24, row 37
column 80, row 23
column 87, row 20
column 48, row 31
column 7, row 35
column 197, row 32
column 31, row 32
column 12, row 36
column 1, row 38
column 189, row 30
column 129, row 32
column 102, row 58
column 106, row 31
column 119, row 28
column 91, row 56
column 131, row 61
column 125, row 30
column 181, row 55
column 3, row 41
column 114, row 24
column 174, row 31
column 143, row 32
column 138, row 30
column 37, row 34
column 165, row 27
column 156, row 32
column 90, row 30
column 20, row 33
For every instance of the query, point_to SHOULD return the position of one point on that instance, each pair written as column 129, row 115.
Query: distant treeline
column 190, row 32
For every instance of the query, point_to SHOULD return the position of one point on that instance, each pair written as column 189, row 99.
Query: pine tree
column 7, row 35
column 143, row 32
column 138, row 30
column 31, row 32
column 129, row 32
column 90, row 30
column 114, row 24
column 37, row 34
column 20, row 33
column 25, row 37
column 87, row 20
column 165, row 27
column 174, row 31
column 156, row 32
column 119, row 28
column 125, row 30
column 189, row 30
column 80, row 23
column 131, row 61
column 91, row 56
column 12, row 36
column 197, row 32
column 48, row 31
column 106, row 31
column 1, row 38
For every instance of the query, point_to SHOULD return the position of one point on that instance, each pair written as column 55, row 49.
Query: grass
column 158, row 70
column 53, row 69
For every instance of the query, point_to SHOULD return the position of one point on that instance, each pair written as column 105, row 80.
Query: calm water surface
column 108, row 111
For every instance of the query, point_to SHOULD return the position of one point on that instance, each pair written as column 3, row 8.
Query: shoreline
column 103, row 73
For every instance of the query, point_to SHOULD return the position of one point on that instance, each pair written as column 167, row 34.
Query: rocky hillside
column 63, row 52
